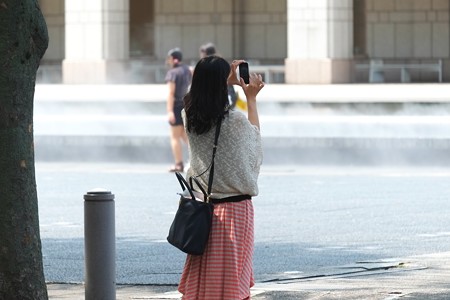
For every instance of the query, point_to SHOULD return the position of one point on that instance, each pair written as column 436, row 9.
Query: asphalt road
column 307, row 220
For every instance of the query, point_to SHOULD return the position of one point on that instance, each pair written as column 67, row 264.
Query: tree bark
column 23, row 42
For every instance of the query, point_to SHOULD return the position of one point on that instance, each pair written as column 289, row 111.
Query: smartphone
column 244, row 73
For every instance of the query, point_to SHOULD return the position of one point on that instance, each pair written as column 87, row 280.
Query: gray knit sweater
column 238, row 157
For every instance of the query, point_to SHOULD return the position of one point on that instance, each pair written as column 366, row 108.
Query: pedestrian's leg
column 186, row 141
column 184, row 137
column 176, row 136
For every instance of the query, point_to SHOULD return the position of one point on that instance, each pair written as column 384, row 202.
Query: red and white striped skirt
column 225, row 270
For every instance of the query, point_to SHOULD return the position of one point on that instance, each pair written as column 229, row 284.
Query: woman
column 225, row 270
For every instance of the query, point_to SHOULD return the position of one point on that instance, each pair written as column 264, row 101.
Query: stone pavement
column 425, row 277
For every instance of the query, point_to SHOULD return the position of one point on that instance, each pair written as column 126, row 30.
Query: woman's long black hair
column 207, row 99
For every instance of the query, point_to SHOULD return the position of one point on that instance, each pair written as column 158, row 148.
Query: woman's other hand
column 232, row 77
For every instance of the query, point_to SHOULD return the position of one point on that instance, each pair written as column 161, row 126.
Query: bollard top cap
column 99, row 191
column 99, row 194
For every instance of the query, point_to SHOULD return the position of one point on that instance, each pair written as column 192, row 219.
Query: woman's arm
column 252, row 112
column 250, row 90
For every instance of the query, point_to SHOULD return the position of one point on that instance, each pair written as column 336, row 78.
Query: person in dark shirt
column 178, row 79
column 209, row 49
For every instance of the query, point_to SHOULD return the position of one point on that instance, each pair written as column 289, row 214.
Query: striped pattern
column 225, row 270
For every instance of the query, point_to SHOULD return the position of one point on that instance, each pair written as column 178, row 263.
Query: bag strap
column 211, row 164
column 184, row 184
column 194, row 179
column 211, row 171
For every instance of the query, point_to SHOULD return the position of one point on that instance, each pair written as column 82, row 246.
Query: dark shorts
column 177, row 108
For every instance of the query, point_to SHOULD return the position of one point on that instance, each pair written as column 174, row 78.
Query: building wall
column 50, row 69
column 408, row 28
column 142, row 17
column 404, row 31
column 264, row 28
column 251, row 29
column 256, row 30
column 53, row 11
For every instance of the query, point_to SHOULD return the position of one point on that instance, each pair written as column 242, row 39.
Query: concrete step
column 291, row 126
column 306, row 151
column 306, row 124
column 419, row 140
column 307, row 93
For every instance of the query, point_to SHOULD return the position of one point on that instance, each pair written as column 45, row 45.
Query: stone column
column 320, row 41
column 97, row 41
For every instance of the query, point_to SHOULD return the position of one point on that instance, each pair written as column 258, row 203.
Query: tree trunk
column 23, row 41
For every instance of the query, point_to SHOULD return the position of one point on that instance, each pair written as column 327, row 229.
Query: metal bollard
column 99, row 245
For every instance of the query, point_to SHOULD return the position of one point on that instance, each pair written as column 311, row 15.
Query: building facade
column 317, row 41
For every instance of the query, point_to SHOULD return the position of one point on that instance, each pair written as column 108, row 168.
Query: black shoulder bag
column 191, row 226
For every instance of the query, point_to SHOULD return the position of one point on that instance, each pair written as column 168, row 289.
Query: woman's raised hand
column 252, row 89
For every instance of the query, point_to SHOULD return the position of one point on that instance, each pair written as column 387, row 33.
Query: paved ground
column 423, row 277
column 414, row 277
